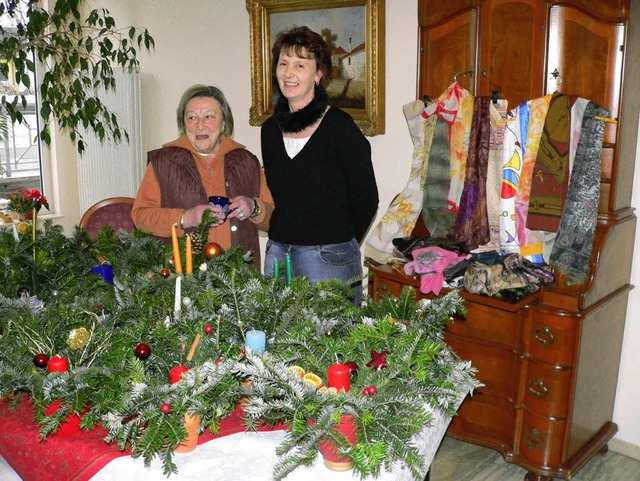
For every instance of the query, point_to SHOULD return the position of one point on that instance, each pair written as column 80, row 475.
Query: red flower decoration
column 378, row 360
column 24, row 202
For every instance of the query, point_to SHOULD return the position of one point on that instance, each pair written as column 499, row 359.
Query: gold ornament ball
column 165, row 272
column 23, row 227
column 211, row 250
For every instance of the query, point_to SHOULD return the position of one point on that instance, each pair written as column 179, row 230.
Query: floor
column 459, row 461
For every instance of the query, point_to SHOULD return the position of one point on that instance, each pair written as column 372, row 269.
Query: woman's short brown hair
column 205, row 91
column 302, row 38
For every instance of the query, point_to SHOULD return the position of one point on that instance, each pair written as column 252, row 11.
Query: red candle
column 338, row 376
column 57, row 364
column 176, row 373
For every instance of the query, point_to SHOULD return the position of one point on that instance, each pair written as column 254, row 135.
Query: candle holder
column 329, row 450
column 192, row 425
column 69, row 426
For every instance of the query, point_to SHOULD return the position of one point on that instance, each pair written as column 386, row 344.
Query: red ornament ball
column 218, row 361
column 208, row 329
column 353, row 367
column 41, row 360
column 142, row 351
column 211, row 250
column 165, row 408
column 369, row 390
column 165, row 272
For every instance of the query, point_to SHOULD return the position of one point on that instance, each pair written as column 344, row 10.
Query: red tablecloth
column 69, row 457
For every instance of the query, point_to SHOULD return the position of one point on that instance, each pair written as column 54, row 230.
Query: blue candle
column 256, row 341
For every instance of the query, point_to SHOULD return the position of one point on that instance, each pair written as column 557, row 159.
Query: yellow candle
column 176, row 250
column 188, row 257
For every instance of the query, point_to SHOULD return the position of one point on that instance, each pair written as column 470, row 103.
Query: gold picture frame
column 356, row 31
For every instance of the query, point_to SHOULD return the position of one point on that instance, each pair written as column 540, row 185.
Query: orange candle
column 188, row 257
column 176, row 249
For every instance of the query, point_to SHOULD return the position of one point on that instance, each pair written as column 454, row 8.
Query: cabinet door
column 586, row 55
column 512, row 49
column 447, row 48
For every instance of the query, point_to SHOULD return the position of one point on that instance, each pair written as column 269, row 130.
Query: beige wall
column 204, row 41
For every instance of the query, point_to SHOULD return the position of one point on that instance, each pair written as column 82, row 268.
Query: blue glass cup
column 105, row 270
column 221, row 202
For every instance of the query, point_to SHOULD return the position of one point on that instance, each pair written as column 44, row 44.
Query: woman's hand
column 192, row 217
column 241, row 207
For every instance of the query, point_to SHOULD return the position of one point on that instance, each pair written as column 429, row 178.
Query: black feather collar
column 308, row 115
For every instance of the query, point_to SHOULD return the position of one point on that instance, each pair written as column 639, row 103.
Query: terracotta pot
column 329, row 450
column 192, row 424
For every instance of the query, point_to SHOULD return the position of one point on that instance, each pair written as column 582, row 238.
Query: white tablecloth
column 247, row 456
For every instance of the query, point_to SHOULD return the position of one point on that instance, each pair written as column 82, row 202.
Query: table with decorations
column 122, row 357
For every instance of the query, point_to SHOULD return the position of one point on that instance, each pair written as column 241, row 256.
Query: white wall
column 200, row 41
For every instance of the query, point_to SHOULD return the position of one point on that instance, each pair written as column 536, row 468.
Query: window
column 24, row 162
column 20, row 152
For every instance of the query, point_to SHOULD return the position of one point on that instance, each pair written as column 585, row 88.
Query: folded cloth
column 406, row 245
column 515, row 272
column 430, row 263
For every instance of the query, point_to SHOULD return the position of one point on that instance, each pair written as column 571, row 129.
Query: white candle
column 178, row 300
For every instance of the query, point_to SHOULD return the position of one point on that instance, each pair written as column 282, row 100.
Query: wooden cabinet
column 549, row 375
column 549, row 363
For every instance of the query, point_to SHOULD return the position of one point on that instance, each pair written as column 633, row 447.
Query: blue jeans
column 321, row 262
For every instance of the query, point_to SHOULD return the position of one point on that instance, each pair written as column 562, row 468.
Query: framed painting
column 354, row 29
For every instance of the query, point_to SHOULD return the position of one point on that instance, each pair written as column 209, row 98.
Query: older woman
column 318, row 167
column 205, row 161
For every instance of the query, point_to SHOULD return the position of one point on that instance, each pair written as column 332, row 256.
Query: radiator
column 107, row 169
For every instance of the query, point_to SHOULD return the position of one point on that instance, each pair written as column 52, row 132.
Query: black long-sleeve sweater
column 327, row 193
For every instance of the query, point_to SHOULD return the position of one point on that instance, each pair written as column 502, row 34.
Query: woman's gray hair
column 205, row 91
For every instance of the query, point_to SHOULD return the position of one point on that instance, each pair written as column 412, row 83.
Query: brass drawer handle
column 544, row 336
column 538, row 388
column 382, row 289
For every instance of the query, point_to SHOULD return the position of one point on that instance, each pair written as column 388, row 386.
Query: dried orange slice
column 298, row 370
column 313, row 379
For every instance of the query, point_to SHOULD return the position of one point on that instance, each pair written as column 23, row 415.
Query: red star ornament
column 378, row 360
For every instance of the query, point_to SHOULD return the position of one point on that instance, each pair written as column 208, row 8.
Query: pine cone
column 196, row 243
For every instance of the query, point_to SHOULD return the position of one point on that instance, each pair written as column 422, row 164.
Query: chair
column 114, row 211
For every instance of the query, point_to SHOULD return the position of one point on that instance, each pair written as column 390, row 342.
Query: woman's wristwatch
column 257, row 210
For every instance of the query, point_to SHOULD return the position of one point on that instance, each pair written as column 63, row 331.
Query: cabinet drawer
column 541, row 441
column 553, row 337
column 487, row 420
column 384, row 287
column 498, row 367
column 488, row 324
column 547, row 389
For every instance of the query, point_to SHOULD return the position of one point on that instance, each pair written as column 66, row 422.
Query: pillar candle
column 288, row 268
column 176, row 250
column 178, row 298
column 276, row 269
column 338, row 376
column 256, row 341
column 57, row 364
column 176, row 373
column 188, row 257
